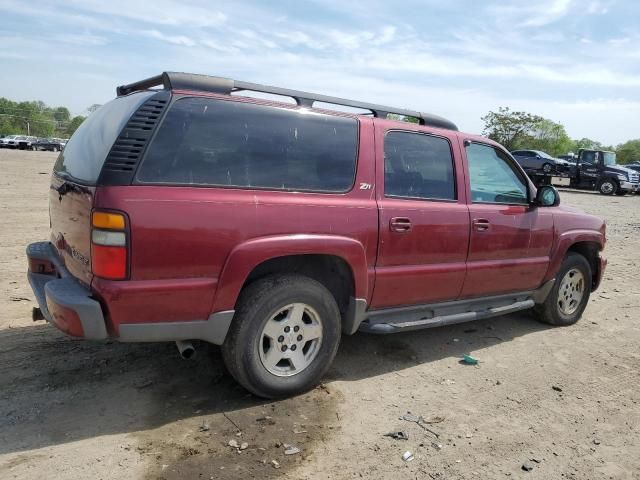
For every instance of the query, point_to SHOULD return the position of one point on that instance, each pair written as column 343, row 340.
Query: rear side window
column 87, row 149
column 233, row 144
column 418, row 166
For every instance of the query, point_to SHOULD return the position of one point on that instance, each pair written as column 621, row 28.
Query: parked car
column 27, row 143
column 52, row 144
column 188, row 213
column 539, row 161
column 6, row 142
column 13, row 141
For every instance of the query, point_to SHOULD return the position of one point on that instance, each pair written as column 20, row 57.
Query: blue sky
column 573, row 61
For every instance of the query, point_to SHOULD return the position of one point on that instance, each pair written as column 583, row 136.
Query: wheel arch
column 586, row 243
column 337, row 262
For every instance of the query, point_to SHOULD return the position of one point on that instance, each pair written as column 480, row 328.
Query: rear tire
column 288, row 317
column 608, row 187
column 570, row 293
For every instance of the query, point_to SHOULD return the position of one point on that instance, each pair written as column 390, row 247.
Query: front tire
column 284, row 336
column 608, row 187
column 547, row 168
column 570, row 293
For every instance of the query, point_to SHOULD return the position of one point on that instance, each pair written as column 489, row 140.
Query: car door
column 589, row 167
column 526, row 158
column 423, row 217
column 510, row 239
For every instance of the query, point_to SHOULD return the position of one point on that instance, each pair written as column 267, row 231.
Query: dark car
column 51, row 144
column 27, row 143
column 271, row 229
column 536, row 160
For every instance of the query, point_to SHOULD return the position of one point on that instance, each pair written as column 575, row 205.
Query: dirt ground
column 562, row 400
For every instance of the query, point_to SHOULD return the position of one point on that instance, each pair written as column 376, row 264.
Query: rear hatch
column 73, row 183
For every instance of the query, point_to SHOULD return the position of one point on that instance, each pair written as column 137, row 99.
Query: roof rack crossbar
column 188, row 81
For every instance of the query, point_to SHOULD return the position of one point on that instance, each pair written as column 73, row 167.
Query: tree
column 74, row 124
column 510, row 128
column 628, row 152
column 587, row 143
column 61, row 114
column 93, row 107
column 402, row 118
column 550, row 137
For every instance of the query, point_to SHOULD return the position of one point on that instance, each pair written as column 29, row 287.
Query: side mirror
column 547, row 196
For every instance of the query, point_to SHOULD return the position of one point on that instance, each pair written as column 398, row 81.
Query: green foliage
column 587, row 143
column 629, row 152
column 402, row 118
column 512, row 129
column 34, row 118
column 550, row 137
column 74, row 124
column 525, row 131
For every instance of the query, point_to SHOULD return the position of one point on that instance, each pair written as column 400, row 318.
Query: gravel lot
column 562, row 400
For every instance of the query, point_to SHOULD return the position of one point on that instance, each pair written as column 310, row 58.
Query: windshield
column 609, row 158
column 544, row 155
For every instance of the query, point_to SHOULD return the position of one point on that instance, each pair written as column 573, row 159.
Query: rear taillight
column 109, row 243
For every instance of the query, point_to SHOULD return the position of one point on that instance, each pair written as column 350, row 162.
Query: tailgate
column 70, row 207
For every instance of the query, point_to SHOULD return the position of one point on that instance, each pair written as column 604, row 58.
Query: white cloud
column 162, row 12
column 85, row 39
column 180, row 40
column 296, row 37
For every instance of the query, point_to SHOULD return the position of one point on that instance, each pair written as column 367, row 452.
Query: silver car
column 539, row 160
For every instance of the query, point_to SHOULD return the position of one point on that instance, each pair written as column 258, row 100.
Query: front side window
column 493, row 178
column 418, row 166
column 205, row 141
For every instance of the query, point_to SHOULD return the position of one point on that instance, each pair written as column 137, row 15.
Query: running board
column 388, row 321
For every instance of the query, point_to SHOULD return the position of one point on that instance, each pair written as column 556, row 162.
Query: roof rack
column 190, row 81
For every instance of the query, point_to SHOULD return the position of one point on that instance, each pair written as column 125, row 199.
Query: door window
column 493, row 178
column 418, row 166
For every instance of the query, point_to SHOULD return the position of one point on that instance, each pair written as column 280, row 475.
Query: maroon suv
column 270, row 228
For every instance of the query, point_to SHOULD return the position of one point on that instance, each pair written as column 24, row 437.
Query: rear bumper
column 71, row 307
column 65, row 302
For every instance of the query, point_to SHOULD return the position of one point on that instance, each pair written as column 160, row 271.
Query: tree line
column 513, row 129
column 518, row 130
column 37, row 118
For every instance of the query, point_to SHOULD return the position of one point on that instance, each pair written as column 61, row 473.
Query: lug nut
column 286, row 329
column 293, row 347
column 280, row 339
column 299, row 338
column 296, row 328
column 284, row 348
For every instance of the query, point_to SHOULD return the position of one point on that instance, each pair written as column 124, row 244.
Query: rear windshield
column 233, row 144
column 87, row 149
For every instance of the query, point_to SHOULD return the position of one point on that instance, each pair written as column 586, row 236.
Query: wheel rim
column 571, row 291
column 546, row 168
column 606, row 187
column 290, row 340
